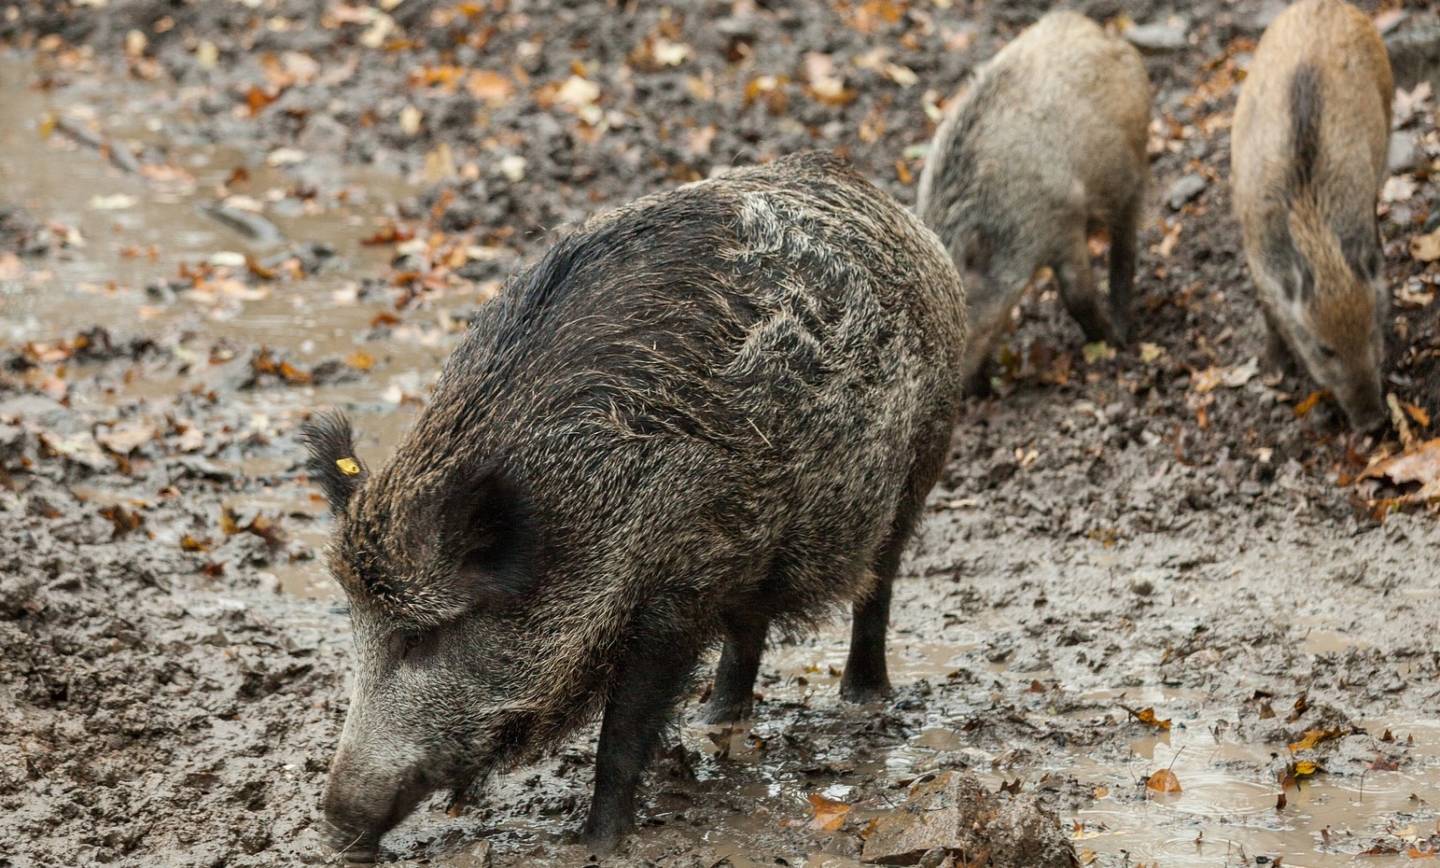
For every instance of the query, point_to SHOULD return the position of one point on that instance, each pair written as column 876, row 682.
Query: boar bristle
column 330, row 440
column 1307, row 102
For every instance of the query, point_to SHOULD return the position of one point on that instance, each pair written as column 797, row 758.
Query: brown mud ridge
column 1146, row 567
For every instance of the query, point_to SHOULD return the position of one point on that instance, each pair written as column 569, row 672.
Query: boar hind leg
column 646, row 691
column 739, row 664
column 866, row 677
column 1081, row 295
column 1122, row 268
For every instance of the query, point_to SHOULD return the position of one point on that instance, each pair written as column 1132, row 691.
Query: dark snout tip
column 354, row 849
column 1368, row 421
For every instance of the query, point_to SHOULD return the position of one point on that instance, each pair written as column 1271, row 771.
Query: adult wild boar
column 1047, row 144
column 1307, row 160
column 711, row 412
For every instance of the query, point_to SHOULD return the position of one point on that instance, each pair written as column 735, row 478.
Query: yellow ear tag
column 348, row 466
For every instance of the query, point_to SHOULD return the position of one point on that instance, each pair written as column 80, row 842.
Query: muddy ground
column 1161, row 526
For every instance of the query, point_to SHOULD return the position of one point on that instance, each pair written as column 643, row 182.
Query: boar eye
column 409, row 641
column 1327, row 352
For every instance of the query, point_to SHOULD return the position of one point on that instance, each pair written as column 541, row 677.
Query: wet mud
column 1145, row 566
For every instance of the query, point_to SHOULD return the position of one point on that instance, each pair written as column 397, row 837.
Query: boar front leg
column 648, row 687
column 1277, row 352
column 1081, row 295
column 739, row 664
column 1122, row 267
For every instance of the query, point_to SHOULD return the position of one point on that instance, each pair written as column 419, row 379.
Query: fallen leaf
column 124, row 439
column 11, row 268
column 1098, row 351
column 348, row 466
column 1163, row 781
column 1305, row 768
column 1419, row 467
column 1398, row 188
column 194, row 544
column 492, row 87
column 1148, row 717
column 771, row 90
column 1214, row 376
column 114, row 202
column 360, row 360
column 256, row 98
column 1303, row 408
column 1150, row 352
column 1426, row 248
column 124, row 520
column 578, row 92
column 1314, row 737
column 439, row 164
column 829, row 814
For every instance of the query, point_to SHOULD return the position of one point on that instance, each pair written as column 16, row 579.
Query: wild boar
column 710, row 413
column 1307, row 159
column 1047, row 144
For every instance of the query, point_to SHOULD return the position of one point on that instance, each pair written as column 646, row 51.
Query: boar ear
column 332, row 461
column 491, row 532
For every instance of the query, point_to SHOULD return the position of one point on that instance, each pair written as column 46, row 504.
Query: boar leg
column 866, row 677
column 646, row 691
column 1277, row 352
column 1080, row 294
column 1122, row 268
column 739, row 664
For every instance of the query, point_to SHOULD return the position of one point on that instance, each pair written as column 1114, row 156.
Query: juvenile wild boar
column 712, row 412
column 1307, row 159
column 1047, row 145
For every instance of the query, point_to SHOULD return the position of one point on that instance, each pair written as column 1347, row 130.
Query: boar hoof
column 721, row 711
column 863, row 694
column 601, row 842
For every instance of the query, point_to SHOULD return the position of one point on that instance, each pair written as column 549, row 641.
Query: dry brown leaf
column 829, row 814
column 1314, row 737
column 1148, row 717
column 492, row 87
column 1214, row 377
column 1163, row 781
column 1303, row 408
column 360, row 360
column 1418, row 467
column 1426, row 248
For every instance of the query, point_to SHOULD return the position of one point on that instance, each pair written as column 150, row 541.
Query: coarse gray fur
column 1047, row 144
column 712, row 410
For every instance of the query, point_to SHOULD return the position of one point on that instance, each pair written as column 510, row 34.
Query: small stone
column 1158, row 37
column 1404, row 152
column 1185, row 189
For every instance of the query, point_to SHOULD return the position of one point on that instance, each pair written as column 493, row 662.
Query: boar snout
column 1364, row 407
column 365, row 799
